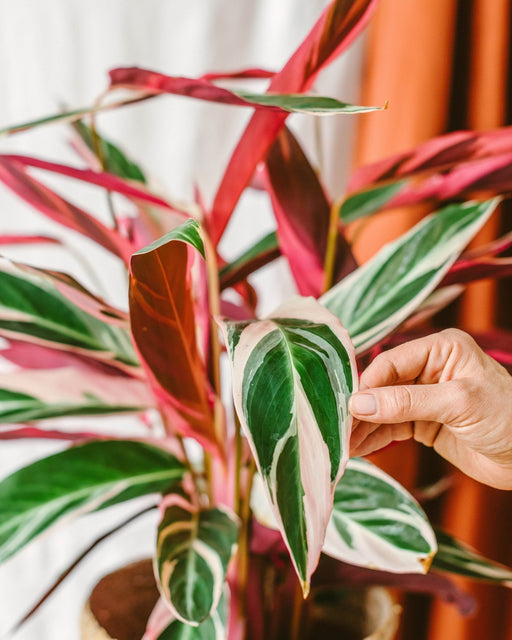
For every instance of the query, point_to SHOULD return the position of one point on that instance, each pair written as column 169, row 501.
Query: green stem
column 330, row 250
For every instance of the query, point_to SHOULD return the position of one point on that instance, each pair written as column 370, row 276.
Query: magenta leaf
column 99, row 178
column 50, row 204
column 334, row 31
column 436, row 154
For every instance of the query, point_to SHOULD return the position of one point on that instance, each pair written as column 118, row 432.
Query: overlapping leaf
column 437, row 154
column 102, row 179
column 214, row 627
column 456, row 557
column 32, row 395
column 113, row 158
column 79, row 480
column 378, row 296
column 334, row 31
column 194, row 548
column 164, row 329
column 292, row 376
column 33, row 309
column 302, row 212
column 202, row 89
column 377, row 524
column 455, row 165
column 261, row 253
column 15, row 176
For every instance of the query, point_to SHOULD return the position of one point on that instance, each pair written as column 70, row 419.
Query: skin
column 445, row 392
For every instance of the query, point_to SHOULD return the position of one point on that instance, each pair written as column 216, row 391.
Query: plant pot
column 122, row 601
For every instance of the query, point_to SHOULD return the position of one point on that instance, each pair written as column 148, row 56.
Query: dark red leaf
column 302, row 212
column 8, row 239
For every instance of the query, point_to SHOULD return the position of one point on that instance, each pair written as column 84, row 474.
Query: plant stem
column 96, row 142
column 330, row 250
column 298, row 607
column 243, row 540
column 238, row 465
column 219, row 423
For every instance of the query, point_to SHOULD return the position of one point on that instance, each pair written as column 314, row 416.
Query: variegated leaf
column 193, row 551
column 456, row 557
column 378, row 296
column 33, row 308
column 377, row 524
column 215, row 627
column 79, row 480
column 292, row 376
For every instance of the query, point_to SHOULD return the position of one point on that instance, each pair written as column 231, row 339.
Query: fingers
column 447, row 402
column 423, row 360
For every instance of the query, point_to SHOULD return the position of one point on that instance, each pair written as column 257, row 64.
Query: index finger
column 406, row 363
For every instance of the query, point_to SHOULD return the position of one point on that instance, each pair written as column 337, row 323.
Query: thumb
column 442, row 402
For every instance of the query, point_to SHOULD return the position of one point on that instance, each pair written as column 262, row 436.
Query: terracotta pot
column 122, row 601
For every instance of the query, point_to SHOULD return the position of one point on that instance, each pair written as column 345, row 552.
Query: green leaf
column 213, row 628
column 79, row 480
column 194, row 548
column 189, row 232
column 31, row 305
column 292, row 376
column 259, row 254
column 376, row 523
column 454, row 556
column 301, row 103
column 378, row 296
column 113, row 159
column 18, row 407
column 364, row 203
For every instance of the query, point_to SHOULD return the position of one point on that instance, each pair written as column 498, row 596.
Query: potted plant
column 281, row 460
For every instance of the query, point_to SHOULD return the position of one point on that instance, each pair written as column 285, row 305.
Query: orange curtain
column 443, row 65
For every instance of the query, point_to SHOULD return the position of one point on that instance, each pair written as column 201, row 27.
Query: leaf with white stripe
column 377, row 524
column 79, row 480
column 215, row 627
column 293, row 374
column 456, row 557
column 194, row 548
column 378, row 296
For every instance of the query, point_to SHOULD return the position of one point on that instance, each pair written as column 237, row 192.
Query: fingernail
column 363, row 404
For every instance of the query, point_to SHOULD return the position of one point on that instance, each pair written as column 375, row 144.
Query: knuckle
column 402, row 401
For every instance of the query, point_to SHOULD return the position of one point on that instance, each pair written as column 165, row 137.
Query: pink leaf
column 335, row 30
column 464, row 271
column 36, row 356
column 302, row 212
column 436, row 154
column 31, row 433
column 155, row 83
column 244, row 74
column 49, row 203
column 19, row 239
column 99, row 178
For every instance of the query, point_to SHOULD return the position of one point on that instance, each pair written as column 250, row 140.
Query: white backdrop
column 55, row 52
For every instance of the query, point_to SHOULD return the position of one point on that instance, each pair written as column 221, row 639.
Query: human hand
column 445, row 392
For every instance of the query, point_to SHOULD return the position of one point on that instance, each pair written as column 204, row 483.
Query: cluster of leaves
column 293, row 371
